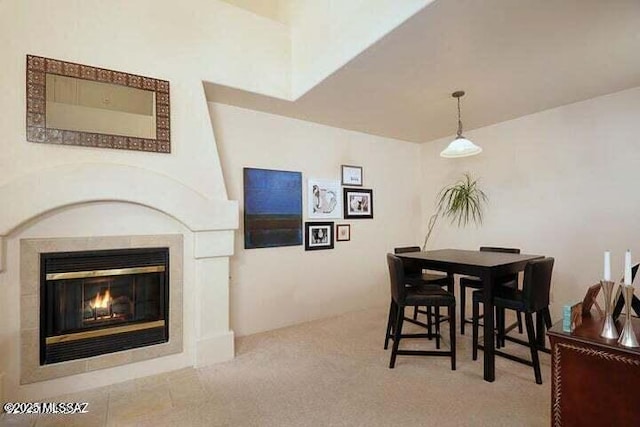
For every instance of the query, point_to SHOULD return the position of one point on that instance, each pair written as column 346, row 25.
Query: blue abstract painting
column 272, row 208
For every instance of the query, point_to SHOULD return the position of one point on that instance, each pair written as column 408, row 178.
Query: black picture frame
column 352, row 175
column 318, row 235
column 357, row 203
column 347, row 232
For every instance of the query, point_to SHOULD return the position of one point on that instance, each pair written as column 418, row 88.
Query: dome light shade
column 461, row 146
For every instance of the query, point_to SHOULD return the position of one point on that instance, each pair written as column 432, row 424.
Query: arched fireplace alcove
column 201, row 239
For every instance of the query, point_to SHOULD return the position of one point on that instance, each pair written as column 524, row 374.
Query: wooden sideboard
column 595, row 381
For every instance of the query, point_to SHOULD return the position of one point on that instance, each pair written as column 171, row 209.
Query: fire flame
column 101, row 301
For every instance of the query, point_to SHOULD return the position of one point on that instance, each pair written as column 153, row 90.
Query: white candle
column 627, row 268
column 607, row 266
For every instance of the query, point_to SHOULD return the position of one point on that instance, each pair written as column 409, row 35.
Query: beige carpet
column 331, row 372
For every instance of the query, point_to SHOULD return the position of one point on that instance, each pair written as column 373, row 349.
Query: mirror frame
column 37, row 131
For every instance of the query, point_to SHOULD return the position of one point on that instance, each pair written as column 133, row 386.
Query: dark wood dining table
column 487, row 266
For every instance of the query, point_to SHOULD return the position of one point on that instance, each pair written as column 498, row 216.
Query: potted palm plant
column 462, row 202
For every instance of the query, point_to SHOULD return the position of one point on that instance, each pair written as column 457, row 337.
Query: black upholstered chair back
column 406, row 249
column 396, row 276
column 410, row 266
column 537, row 284
column 509, row 277
column 502, row 250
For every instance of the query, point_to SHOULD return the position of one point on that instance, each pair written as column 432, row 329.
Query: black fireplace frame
column 95, row 260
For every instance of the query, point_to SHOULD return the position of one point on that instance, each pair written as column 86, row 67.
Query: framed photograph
column 590, row 300
column 272, row 208
column 358, row 203
column 352, row 175
column 318, row 235
column 343, row 232
column 324, row 199
column 576, row 316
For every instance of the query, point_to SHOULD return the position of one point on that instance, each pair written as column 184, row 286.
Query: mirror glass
column 76, row 104
column 83, row 105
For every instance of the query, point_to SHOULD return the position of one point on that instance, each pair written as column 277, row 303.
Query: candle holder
column 609, row 330
column 628, row 336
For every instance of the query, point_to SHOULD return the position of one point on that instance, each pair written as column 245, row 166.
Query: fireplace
column 99, row 302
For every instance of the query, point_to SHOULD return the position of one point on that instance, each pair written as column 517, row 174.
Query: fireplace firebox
column 99, row 302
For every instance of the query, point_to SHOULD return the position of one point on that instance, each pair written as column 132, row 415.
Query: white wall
column 272, row 9
column 275, row 287
column 562, row 183
column 184, row 43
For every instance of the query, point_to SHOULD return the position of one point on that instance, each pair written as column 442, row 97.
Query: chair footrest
column 430, row 336
column 470, row 320
column 417, row 336
column 509, row 356
column 423, row 353
column 510, row 328
column 443, row 318
column 416, row 322
column 526, row 344
column 424, row 325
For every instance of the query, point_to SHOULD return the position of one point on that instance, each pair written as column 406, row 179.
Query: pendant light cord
column 459, row 120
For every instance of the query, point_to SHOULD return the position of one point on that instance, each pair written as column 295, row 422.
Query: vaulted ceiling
column 512, row 57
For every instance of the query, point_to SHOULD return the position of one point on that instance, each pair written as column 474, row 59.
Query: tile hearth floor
column 326, row 372
column 134, row 402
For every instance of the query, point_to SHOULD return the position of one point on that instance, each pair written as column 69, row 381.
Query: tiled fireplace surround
column 210, row 227
column 30, row 250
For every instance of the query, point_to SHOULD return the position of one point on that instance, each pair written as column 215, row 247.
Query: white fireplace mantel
column 212, row 223
column 35, row 194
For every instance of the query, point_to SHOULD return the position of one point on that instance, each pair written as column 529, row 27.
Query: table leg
column 489, row 341
column 450, row 284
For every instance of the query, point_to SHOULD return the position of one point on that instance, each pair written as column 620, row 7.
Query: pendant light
column 461, row 146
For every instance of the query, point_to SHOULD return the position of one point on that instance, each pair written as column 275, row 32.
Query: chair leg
column 502, row 327
column 474, row 335
column 463, row 302
column 541, row 327
column 437, row 328
column 415, row 312
column 547, row 317
column 546, row 321
column 397, row 334
column 519, row 322
column 498, row 324
column 389, row 324
column 430, row 322
column 452, row 334
column 533, row 345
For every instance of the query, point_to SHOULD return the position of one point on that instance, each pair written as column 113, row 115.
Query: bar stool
column 533, row 298
column 406, row 296
column 415, row 276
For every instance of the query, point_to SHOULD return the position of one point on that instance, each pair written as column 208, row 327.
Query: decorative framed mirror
column 74, row 104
